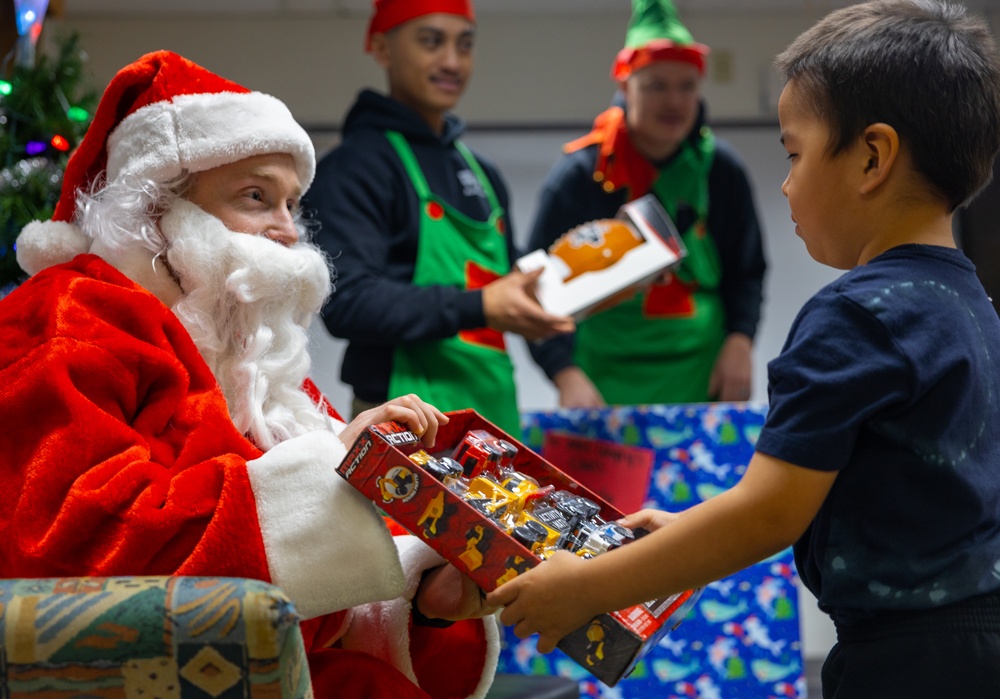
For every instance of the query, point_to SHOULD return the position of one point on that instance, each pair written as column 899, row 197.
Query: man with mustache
column 158, row 416
column 689, row 338
column 419, row 230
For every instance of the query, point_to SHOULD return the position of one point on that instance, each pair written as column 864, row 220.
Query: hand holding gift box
column 601, row 263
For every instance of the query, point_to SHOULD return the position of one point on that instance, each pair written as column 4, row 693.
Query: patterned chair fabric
column 146, row 638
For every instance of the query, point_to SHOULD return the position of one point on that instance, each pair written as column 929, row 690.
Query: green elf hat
column 655, row 33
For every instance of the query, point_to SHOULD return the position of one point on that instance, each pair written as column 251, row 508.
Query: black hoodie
column 369, row 219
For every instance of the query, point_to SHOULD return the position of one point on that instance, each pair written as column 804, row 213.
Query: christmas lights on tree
column 45, row 109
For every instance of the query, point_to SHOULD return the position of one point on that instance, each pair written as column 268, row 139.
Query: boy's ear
column 881, row 150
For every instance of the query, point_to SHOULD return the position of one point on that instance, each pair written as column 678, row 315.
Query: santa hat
column 391, row 13
column 159, row 117
column 655, row 33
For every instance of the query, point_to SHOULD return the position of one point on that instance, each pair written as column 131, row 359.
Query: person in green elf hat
column 689, row 337
column 418, row 229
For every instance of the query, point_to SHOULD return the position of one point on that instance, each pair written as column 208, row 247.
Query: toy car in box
column 494, row 509
column 600, row 263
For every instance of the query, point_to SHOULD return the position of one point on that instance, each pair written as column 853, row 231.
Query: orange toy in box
column 601, row 263
column 592, row 246
column 491, row 507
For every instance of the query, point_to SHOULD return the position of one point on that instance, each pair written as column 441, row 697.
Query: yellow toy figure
column 472, row 557
column 434, row 512
column 595, row 649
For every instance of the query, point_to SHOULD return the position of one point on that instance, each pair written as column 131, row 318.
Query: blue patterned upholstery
column 164, row 637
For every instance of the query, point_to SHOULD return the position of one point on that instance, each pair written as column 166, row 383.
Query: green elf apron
column 471, row 369
column 661, row 345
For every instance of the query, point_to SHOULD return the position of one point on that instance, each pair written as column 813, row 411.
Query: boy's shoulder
column 905, row 281
column 908, row 265
column 909, row 288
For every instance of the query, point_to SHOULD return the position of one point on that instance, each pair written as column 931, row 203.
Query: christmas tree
column 45, row 109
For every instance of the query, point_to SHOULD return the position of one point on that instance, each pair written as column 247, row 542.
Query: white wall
column 538, row 69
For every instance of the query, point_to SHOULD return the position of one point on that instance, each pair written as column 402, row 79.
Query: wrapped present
column 742, row 637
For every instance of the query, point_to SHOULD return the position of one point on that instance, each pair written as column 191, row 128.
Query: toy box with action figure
column 494, row 509
column 600, row 263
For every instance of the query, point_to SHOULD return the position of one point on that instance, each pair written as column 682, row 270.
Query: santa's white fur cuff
column 326, row 545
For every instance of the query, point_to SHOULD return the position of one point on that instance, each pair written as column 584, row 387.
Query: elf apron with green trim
column 661, row 345
column 471, row 369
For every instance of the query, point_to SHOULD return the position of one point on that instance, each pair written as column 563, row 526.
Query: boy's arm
column 765, row 512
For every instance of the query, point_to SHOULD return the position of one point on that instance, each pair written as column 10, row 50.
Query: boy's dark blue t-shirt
column 891, row 376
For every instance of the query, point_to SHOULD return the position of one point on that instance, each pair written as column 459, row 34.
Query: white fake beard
column 247, row 304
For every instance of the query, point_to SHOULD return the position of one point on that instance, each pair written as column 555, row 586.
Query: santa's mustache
column 246, row 268
column 296, row 275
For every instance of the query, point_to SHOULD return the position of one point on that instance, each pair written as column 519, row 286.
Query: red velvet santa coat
column 118, row 457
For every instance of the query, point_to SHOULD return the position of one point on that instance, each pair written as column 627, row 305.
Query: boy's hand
column 420, row 418
column 552, row 599
column 648, row 519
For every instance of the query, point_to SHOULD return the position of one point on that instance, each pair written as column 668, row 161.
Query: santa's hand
column 552, row 599
column 445, row 593
column 420, row 418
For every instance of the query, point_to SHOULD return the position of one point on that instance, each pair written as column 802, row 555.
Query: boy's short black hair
column 926, row 68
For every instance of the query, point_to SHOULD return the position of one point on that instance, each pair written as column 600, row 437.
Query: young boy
column 880, row 457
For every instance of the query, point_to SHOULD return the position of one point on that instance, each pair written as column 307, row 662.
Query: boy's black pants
column 946, row 653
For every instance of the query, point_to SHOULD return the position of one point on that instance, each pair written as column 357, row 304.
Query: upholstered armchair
column 156, row 637
column 168, row 638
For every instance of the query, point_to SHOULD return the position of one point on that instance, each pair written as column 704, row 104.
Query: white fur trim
column 382, row 629
column 42, row 244
column 492, row 657
column 326, row 545
column 201, row 132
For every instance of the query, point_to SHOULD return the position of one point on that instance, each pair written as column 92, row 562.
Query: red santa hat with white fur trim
column 159, row 117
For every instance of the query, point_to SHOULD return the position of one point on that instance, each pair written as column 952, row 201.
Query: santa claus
column 158, row 417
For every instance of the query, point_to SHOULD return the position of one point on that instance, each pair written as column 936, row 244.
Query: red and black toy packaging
column 429, row 493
